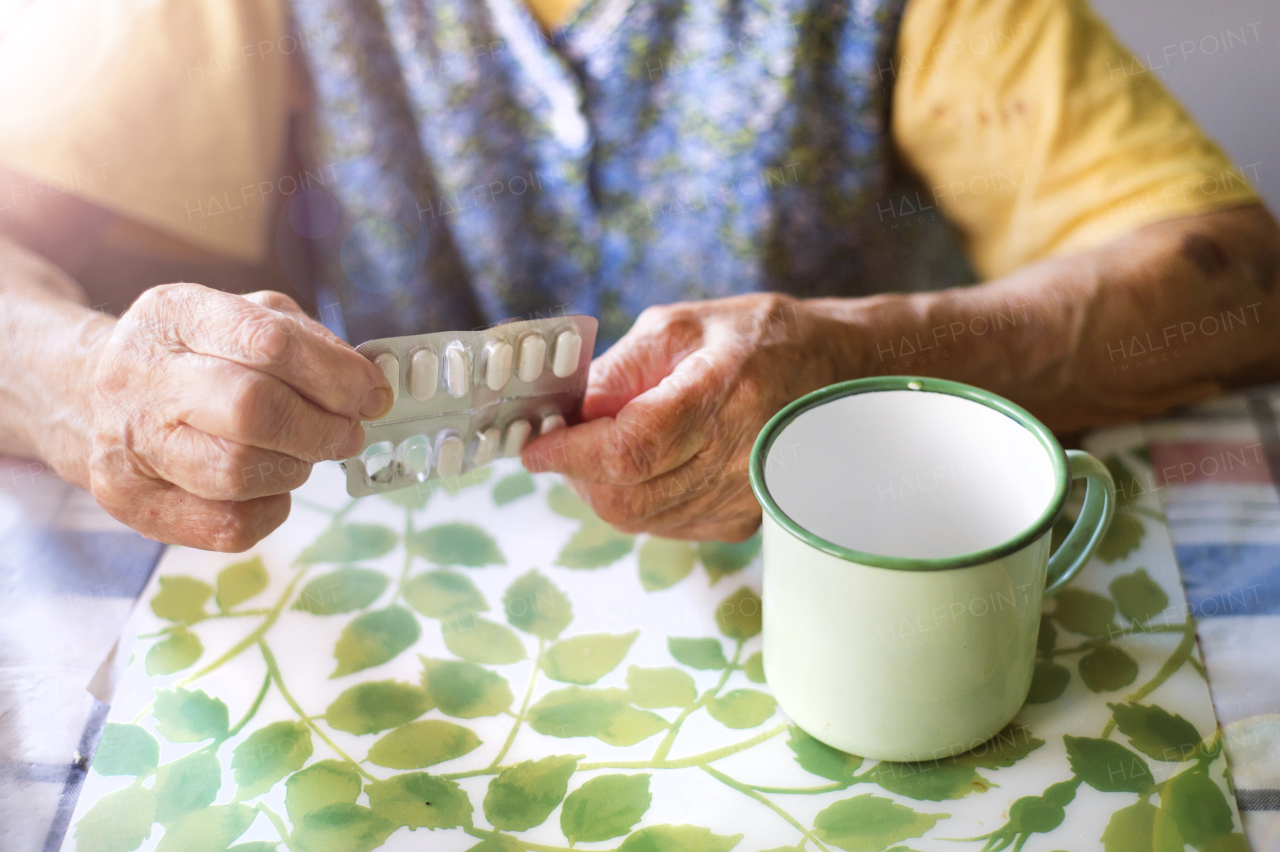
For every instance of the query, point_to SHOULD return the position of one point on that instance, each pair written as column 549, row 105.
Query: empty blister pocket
column 465, row 398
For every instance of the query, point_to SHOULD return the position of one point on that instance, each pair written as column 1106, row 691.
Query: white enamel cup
column 906, row 556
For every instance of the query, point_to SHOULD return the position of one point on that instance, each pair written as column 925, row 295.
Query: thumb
column 633, row 365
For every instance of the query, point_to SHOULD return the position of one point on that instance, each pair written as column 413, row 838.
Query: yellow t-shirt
column 157, row 110
column 1040, row 134
column 1034, row 131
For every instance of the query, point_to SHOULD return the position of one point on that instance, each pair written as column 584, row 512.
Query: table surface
column 726, row 763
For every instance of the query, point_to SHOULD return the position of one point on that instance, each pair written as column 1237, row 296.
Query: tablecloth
column 1216, row 470
column 491, row 667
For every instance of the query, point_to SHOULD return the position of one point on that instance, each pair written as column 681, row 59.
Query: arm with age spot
column 1166, row 315
column 190, row 417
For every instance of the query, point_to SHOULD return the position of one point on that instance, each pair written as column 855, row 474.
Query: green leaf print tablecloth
column 492, row 668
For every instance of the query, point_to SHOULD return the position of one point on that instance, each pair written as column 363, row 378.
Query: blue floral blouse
column 650, row 151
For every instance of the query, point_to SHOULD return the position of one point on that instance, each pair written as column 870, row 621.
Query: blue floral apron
column 651, row 151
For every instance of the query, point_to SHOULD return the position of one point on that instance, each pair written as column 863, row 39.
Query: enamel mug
column 906, row 556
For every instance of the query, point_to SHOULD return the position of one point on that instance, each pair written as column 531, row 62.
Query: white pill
column 551, row 423
column 390, row 367
column 379, row 461
column 457, row 376
column 568, row 349
column 424, row 374
column 533, row 357
column 517, row 436
column 415, row 454
column 449, row 453
column 497, row 364
column 486, row 446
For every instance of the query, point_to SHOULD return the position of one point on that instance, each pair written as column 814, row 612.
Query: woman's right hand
column 209, row 408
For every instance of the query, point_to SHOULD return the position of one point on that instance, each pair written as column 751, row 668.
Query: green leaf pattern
column 126, row 750
column 323, row 783
column 604, row 807
column 470, row 732
column 417, row 745
column 343, row 590
column 524, row 795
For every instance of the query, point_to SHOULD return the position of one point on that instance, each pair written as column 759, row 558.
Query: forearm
column 49, row 344
column 1164, row 316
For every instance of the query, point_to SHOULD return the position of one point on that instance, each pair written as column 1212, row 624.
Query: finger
column 282, row 303
column 164, row 512
column 276, row 301
column 318, row 366
column 696, row 490
column 728, row 530
column 655, row 432
column 220, row 470
column 639, row 361
column 228, row 527
column 730, row 514
column 249, row 407
column 619, row 376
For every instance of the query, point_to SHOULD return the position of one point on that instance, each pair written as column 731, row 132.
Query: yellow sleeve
column 170, row 113
column 1037, row 133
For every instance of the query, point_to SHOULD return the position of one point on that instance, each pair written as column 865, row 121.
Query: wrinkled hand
column 208, row 408
column 673, row 408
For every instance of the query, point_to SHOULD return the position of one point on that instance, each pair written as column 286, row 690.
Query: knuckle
column 274, row 299
column 774, row 302
column 230, row 474
column 625, row 463
column 233, row 534
column 672, row 331
column 682, row 326
column 611, row 508
column 156, row 308
column 238, row 527
column 294, row 472
column 654, row 318
column 103, row 489
column 675, row 320
column 158, row 297
column 333, row 435
column 147, row 312
column 265, row 341
column 773, row 312
column 252, row 405
column 617, row 468
column 652, row 315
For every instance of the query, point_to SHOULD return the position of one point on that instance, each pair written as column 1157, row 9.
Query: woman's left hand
column 673, row 409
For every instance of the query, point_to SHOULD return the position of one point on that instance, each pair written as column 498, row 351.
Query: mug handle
column 1089, row 528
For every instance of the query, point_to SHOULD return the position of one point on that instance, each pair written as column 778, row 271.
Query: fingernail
column 376, row 404
column 352, row 445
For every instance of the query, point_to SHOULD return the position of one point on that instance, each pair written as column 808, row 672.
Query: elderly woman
column 755, row 198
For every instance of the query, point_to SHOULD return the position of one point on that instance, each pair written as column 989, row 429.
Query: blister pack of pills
column 464, row 398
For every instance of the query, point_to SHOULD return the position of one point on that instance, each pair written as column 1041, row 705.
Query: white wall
column 1233, row 89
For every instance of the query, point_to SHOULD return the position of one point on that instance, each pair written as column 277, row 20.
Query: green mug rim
column 1041, row 525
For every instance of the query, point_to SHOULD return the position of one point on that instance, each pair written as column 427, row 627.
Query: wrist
column 869, row 336
column 52, row 378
